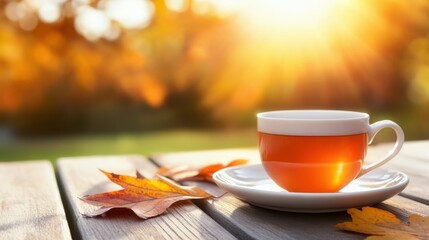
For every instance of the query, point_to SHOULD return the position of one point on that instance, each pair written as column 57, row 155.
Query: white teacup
column 319, row 150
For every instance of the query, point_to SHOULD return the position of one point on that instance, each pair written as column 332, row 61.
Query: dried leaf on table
column 146, row 197
column 184, row 173
column 385, row 225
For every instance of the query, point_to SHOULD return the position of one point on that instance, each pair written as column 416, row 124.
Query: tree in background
column 68, row 66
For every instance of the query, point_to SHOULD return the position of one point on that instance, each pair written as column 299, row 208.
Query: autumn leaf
column 384, row 225
column 145, row 197
column 183, row 173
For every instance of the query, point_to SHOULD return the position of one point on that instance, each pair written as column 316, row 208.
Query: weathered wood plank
column 416, row 149
column 412, row 160
column 80, row 176
column 260, row 223
column 250, row 222
column 403, row 207
column 413, row 157
column 30, row 203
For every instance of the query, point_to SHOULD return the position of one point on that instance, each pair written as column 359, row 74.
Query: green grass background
column 142, row 143
column 146, row 143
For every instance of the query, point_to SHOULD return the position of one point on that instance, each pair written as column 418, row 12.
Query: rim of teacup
column 312, row 115
column 313, row 122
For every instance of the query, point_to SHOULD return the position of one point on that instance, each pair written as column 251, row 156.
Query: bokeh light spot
column 130, row 13
column 49, row 12
column 91, row 23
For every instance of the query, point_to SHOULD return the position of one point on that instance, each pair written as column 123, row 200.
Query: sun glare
column 289, row 30
column 291, row 26
column 323, row 50
column 275, row 15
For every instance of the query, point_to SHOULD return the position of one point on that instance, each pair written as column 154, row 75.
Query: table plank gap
column 231, row 226
column 414, row 198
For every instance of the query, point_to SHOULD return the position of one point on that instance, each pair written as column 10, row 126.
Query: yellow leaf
column 385, row 225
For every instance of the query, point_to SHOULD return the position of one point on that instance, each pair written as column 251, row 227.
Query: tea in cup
column 319, row 150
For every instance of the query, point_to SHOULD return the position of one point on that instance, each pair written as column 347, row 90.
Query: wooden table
column 34, row 206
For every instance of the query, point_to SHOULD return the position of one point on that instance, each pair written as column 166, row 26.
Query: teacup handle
column 373, row 130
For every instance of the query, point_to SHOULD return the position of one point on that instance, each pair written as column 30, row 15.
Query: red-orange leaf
column 146, row 197
column 203, row 174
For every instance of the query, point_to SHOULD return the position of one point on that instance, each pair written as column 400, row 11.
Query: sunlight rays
column 328, row 51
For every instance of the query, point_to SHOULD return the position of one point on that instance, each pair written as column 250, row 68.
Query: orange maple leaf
column 203, row 174
column 384, row 225
column 145, row 197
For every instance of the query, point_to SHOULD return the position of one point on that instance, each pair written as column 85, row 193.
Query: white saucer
column 251, row 184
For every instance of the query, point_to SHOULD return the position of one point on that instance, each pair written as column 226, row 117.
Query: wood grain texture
column 413, row 159
column 30, row 203
column 250, row 222
column 258, row 223
column 403, row 207
column 80, row 176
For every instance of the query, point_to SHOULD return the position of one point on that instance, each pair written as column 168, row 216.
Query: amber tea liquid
column 312, row 163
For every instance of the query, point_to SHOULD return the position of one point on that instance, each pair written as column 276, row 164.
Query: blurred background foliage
column 114, row 66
